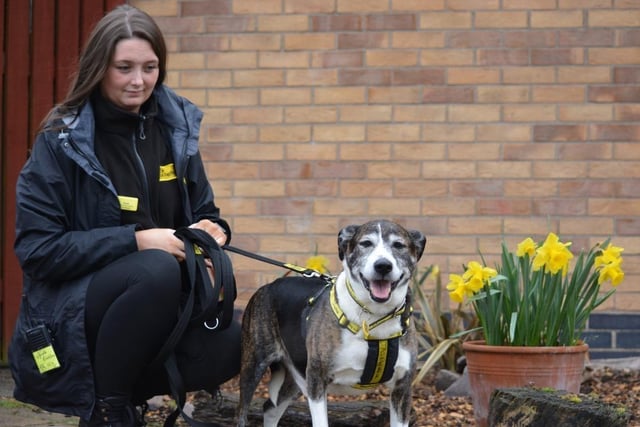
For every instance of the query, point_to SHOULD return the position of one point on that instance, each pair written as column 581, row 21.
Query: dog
column 342, row 336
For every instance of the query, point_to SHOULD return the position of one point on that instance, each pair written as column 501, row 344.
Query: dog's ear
column 419, row 240
column 345, row 235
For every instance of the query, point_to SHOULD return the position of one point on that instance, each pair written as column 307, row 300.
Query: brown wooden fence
column 40, row 40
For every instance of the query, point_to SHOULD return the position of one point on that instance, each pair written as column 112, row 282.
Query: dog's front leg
column 400, row 404
column 317, row 393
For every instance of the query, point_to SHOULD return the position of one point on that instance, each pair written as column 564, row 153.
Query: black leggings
column 131, row 308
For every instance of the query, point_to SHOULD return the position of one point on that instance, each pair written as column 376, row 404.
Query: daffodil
column 553, row 255
column 525, row 301
column 457, row 288
column 526, row 247
column 476, row 275
column 318, row 263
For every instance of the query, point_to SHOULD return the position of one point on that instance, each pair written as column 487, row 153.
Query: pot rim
column 480, row 346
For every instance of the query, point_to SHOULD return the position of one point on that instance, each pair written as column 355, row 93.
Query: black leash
column 306, row 272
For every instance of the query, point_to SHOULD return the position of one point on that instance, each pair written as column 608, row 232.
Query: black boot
column 114, row 412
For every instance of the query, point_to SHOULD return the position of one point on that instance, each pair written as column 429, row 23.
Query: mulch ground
column 433, row 408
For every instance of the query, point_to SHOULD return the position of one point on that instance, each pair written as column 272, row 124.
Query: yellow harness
column 382, row 353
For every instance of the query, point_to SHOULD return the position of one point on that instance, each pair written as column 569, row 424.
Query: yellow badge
column 46, row 359
column 127, row 203
column 167, row 172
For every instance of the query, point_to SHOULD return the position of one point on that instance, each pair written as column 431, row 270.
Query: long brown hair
column 123, row 22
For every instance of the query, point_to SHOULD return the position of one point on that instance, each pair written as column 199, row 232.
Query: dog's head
column 381, row 256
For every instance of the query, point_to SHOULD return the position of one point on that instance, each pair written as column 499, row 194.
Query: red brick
column 587, row 188
column 629, row 37
column 310, row 114
column 628, row 226
column 422, row 40
column 556, row 18
column 203, row 43
column 311, row 77
column 312, row 188
column 418, row 77
column 559, row 207
column 528, row 151
column 283, row 59
column 230, row 24
column 531, row 38
column 614, row 55
column 337, row 59
column 475, row 188
column 394, row 95
column 257, row 7
column 590, row 37
column 386, row 22
column 503, row 207
column 286, row 207
column 351, row 77
column 630, row 75
column 337, row 170
column 592, row 151
column 447, row 94
column 336, row 23
column 173, row 25
column 365, row 152
column 503, row 56
column 308, row 41
column 630, row 113
column 501, row 19
column 448, row 20
column 615, row 132
column 417, row 5
column 470, row 39
column 614, row 94
column 309, row 6
column 560, row 94
column 559, row 133
column 503, row 94
column 206, row 7
column 362, row 40
column 365, row 113
column 556, row 56
column 418, row 151
column 282, row 23
column 286, row 170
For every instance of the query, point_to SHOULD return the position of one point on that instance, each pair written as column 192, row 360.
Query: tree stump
column 370, row 413
column 536, row 407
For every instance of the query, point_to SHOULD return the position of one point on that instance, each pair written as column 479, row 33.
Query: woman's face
column 132, row 74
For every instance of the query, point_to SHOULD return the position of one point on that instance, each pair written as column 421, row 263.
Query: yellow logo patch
column 129, row 204
column 167, row 172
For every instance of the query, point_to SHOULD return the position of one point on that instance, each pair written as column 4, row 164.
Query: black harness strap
column 381, row 359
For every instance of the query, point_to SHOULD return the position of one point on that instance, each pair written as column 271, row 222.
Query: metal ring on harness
column 211, row 328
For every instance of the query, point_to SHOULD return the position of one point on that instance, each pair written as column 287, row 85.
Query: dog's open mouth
column 380, row 290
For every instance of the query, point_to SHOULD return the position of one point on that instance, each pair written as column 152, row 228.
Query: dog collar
column 355, row 328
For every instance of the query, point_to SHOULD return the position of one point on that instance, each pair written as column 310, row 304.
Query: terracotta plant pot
column 491, row 367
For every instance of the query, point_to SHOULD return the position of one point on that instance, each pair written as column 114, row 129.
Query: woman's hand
column 160, row 238
column 213, row 229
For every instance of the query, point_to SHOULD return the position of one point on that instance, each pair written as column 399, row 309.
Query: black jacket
column 68, row 225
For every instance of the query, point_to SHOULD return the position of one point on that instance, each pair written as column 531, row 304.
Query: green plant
column 435, row 325
column 531, row 298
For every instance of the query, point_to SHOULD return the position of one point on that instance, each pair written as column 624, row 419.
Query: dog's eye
column 399, row 245
column 365, row 243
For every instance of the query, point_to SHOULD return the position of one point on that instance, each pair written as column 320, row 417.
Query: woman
column 114, row 171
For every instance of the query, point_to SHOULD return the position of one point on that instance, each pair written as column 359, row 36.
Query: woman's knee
column 161, row 272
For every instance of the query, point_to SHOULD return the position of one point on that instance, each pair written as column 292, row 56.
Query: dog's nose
column 383, row 266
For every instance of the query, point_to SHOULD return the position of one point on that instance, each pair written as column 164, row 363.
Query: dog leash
column 306, row 272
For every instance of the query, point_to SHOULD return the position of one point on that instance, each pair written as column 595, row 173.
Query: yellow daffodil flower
column 553, row 255
column 318, row 263
column 526, row 247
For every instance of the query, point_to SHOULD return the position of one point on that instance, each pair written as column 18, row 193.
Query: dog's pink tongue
column 381, row 289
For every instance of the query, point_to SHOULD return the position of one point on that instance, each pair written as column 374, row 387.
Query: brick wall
column 471, row 120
